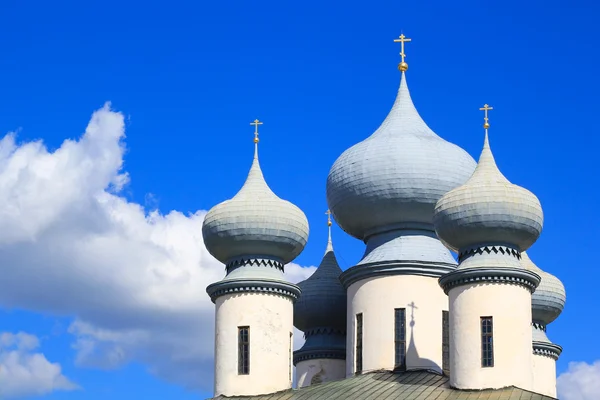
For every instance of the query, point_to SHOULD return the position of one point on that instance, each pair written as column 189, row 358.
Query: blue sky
column 188, row 77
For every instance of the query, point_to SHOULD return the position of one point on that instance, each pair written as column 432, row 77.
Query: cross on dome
column 403, row 66
column 485, row 110
column 256, row 123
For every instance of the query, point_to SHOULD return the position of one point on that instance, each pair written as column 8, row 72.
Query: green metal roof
column 386, row 385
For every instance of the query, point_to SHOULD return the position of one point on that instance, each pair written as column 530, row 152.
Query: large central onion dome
column 488, row 209
column 548, row 300
column 255, row 224
column 392, row 179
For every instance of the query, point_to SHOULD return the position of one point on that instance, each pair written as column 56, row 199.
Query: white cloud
column 135, row 281
column 580, row 382
column 24, row 372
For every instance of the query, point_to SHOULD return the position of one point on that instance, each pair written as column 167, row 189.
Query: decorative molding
column 239, row 286
column 539, row 325
column 314, row 354
column 324, row 331
column 502, row 275
column 504, row 250
column 404, row 267
column 547, row 349
column 260, row 262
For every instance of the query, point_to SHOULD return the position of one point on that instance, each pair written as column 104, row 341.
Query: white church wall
column 544, row 375
column 311, row 372
column 376, row 298
column 509, row 305
column 270, row 318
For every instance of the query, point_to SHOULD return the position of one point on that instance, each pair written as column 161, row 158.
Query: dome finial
column 486, row 120
column 256, row 123
column 403, row 66
column 329, row 244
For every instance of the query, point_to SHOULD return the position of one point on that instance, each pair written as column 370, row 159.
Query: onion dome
column 255, row 224
column 488, row 209
column 393, row 179
column 320, row 311
column 548, row 300
column 322, row 303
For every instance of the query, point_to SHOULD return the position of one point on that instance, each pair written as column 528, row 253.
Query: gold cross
column 256, row 123
column 402, row 39
column 328, row 217
column 485, row 109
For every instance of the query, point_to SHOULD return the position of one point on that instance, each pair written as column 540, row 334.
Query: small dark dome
column 322, row 303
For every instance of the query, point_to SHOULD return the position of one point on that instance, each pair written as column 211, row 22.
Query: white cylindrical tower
column 383, row 191
column 254, row 234
column 320, row 313
column 547, row 304
column 489, row 221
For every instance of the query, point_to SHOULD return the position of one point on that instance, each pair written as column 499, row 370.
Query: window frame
column 243, row 350
column 359, row 344
column 399, row 339
column 487, row 342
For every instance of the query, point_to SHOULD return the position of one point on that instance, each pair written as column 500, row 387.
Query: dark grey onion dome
column 320, row 311
column 548, row 300
column 488, row 209
column 255, row 224
column 393, row 179
column 322, row 303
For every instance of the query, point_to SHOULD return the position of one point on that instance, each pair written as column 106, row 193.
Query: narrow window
column 487, row 342
column 359, row 342
column 243, row 350
column 400, row 338
column 446, row 342
column 290, row 354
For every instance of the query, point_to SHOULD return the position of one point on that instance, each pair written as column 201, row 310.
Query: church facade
column 408, row 320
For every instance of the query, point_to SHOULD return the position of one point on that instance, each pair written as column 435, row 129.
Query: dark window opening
column 243, row 350
column 359, row 342
column 400, row 338
column 487, row 342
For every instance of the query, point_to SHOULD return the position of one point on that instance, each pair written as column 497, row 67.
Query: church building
column 409, row 320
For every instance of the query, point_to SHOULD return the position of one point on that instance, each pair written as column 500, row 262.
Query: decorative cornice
column 260, row 262
column 505, row 250
column 239, row 286
column 502, row 275
column 324, row 331
column 403, row 267
column 539, row 325
column 313, row 354
column 547, row 349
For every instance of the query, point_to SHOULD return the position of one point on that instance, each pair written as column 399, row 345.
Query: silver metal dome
column 255, row 223
column 548, row 300
column 488, row 209
column 392, row 179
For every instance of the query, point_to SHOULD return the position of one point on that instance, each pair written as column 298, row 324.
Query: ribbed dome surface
column 394, row 177
column 322, row 303
column 255, row 223
column 548, row 300
column 488, row 209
